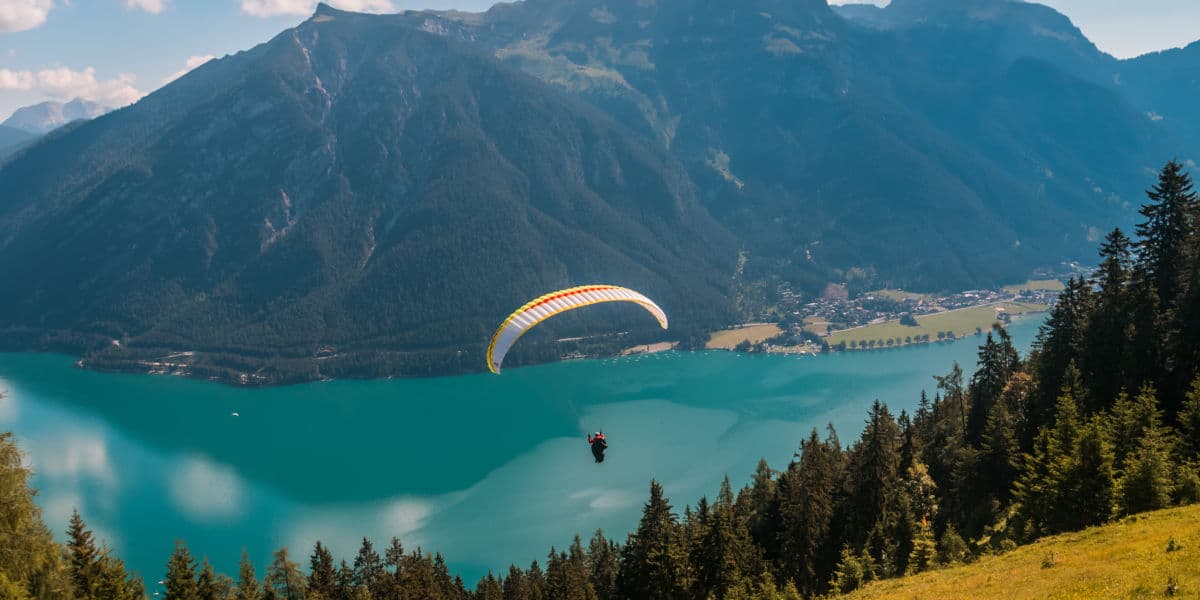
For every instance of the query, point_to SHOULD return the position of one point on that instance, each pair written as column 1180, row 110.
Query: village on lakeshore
column 882, row 319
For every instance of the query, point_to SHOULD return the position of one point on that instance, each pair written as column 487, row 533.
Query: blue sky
column 114, row 51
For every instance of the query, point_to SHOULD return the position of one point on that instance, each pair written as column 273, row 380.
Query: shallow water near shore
column 486, row 469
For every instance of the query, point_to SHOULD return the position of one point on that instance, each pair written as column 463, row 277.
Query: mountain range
column 45, row 116
column 371, row 194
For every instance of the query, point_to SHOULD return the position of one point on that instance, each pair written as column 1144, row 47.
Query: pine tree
column 874, row 472
column 247, row 586
column 516, row 585
column 1037, row 489
column 1105, row 351
column 924, row 550
column 1166, row 230
column 37, row 569
column 724, row 554
column 996, row 364
column 322, row 577
column 853, row 571
column 1144, row 363
column 284, row 577
column 999, row 452
column 603, row 565
column 181, row 575
column 951, row 548
column 207, row 583
column 1057, row 347
column 368, row 568
column 114, row 583
column 1189, row 423
column 654, row 564
column 1131, row 419
column 537, row 583
column 1147, row 483
column 762, row 515
column 488, row 588
column 806, row 513
column 1092, row 483
column 343, row 587
column 82, row 558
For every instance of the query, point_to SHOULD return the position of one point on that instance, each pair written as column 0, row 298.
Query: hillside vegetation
column 1138, row 557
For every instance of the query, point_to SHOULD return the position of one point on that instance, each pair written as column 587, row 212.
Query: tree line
column 1100, row 420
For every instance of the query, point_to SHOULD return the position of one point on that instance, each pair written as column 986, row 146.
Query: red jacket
column 598, row 438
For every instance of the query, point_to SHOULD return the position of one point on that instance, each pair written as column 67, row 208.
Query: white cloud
column 19, row 15
column 206, row 490
column 151, row 6
column 66, row 84
column 192, row 63
column 78, row 455
column 273, row 8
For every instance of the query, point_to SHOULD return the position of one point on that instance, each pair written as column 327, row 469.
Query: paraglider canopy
column 544, row 307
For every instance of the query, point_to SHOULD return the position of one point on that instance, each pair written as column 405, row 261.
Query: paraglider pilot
column 599, row 445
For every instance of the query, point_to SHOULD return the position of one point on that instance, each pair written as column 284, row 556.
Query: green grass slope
column 1127, row 559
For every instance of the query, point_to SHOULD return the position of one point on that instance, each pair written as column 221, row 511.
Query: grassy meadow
column 961, row 322
column 1127, row 559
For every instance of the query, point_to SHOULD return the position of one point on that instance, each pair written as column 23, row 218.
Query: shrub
column 1049, row 560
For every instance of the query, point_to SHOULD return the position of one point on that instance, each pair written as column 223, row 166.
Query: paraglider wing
column 540, row 309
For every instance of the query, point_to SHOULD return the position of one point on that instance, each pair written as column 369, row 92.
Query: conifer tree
column 761, row 516
column 1107, row 335
column 1144, row 360
column 82, row 557
column 322, row 578
column 247, row 585
column 368, row 567
column 1092, row 482
column 181, row 575
column 806, row 513
column 999, row 452
column 603, row 565
column 114, row 583
column 1036, row 490
column 951, row 547
column 537, row 582
column 875, row 463
column 1166, row 230
column 1131, row 419
column 924, row 550
column 488, row 588
column 1057, row 347
column 654, row 563
column 853, row 571
column 344, row 588
column 37, row 568
column 1189, row 422
column 284, row 577
column 1146, row 483
column 208, row 583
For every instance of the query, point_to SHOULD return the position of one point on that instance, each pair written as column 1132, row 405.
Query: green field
column 1128, row 559
column 961, row 322
column 1036, row 285
column 754, row 333
column 899, row 295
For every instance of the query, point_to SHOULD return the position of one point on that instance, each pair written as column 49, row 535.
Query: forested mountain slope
column 356, row 188
column 962, row 144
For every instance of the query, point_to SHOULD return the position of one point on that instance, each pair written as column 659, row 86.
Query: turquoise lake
column 486, row 469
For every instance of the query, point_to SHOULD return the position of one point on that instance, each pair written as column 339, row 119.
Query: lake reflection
column 485, row 469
